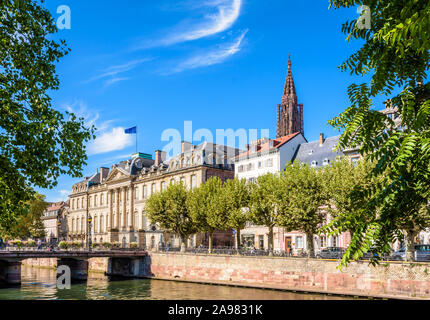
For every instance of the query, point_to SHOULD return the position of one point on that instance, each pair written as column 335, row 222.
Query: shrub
column 134, row 245
column 76, row 244
column 95, row 245
column 18, row 243
column 116, row 244
column 107, row 245
column 31, row 243
column 63, row 244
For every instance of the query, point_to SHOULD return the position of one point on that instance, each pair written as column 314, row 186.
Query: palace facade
column 115, row 198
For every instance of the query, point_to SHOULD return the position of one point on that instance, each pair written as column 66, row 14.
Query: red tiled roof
column 277, row 143
column 55, row 206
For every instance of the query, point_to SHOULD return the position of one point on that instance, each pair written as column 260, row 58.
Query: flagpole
column 136, row 139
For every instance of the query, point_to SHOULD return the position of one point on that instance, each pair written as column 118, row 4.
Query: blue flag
column 131, row 130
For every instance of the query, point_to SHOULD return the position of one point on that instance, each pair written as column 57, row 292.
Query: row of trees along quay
column 391, row 201
column 299, row 198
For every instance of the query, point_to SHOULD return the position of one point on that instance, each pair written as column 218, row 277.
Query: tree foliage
column 264, row 203
column 302, row 194
column 236, row 194
column 37, row 142
column 169, row 209
column 29, row 223
column 207, row 208
column 396, row 53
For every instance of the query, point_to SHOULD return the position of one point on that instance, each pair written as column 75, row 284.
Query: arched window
column 83, row 225
column 101, row 224
column 78, row 224
column 163, row 186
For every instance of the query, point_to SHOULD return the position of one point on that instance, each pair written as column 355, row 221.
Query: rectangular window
column 355, row 161
column 260, row 164
column 145, row 192
column 270, row 163
column 153, row 188
column 136, row 193
column 299, row 242
column 193, row 181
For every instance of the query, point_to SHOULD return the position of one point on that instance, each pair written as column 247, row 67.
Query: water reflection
column 40, row 284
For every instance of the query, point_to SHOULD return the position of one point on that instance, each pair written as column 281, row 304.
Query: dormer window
column 314, row 164
column 326, row 162
column 311, row 152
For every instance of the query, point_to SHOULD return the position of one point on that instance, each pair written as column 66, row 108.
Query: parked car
column 422, row 253
column 331, row 253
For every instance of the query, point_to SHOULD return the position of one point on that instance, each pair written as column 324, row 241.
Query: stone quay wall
column 94, row 264
column 388, row 280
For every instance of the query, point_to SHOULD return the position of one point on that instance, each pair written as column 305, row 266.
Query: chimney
column 104, row 172
column 322, row 139
column 160, row 157
column 186, row 146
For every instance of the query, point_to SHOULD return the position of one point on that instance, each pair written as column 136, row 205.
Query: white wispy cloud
column 114, row 80
column 211, row 57
column 108, row 137
column 228, row 12
column 113, row 140
column 115, row 70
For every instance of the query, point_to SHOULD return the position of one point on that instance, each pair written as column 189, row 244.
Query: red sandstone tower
column 290, row 113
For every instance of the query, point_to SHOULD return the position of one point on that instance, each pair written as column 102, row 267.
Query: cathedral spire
column 289, row 89
column 289, row 112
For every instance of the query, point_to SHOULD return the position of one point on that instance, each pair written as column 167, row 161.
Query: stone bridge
column 121, row 263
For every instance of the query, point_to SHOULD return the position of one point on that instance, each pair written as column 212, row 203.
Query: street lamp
column 90, row 220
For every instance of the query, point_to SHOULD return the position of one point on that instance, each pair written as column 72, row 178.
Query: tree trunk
column 183, row 243
column 237, row 243
column 410, row 235
column 310, row 244
column 211, row 235
column 270, row 244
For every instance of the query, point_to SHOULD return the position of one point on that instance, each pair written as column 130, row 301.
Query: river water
column 40, row 284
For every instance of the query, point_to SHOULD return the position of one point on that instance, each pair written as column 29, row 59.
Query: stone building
column 52, row 219
column 289, row 112
column 267, row 155
column 115, row 198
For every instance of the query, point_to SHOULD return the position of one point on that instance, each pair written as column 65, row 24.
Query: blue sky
column 218, row 63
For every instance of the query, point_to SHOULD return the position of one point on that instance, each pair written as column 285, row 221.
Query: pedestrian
column 290, row 251
column 1, row 243
column 39, row 244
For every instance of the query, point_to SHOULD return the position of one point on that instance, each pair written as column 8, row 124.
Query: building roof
column 56, row 206
column 314, row 151
column 267, row 145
